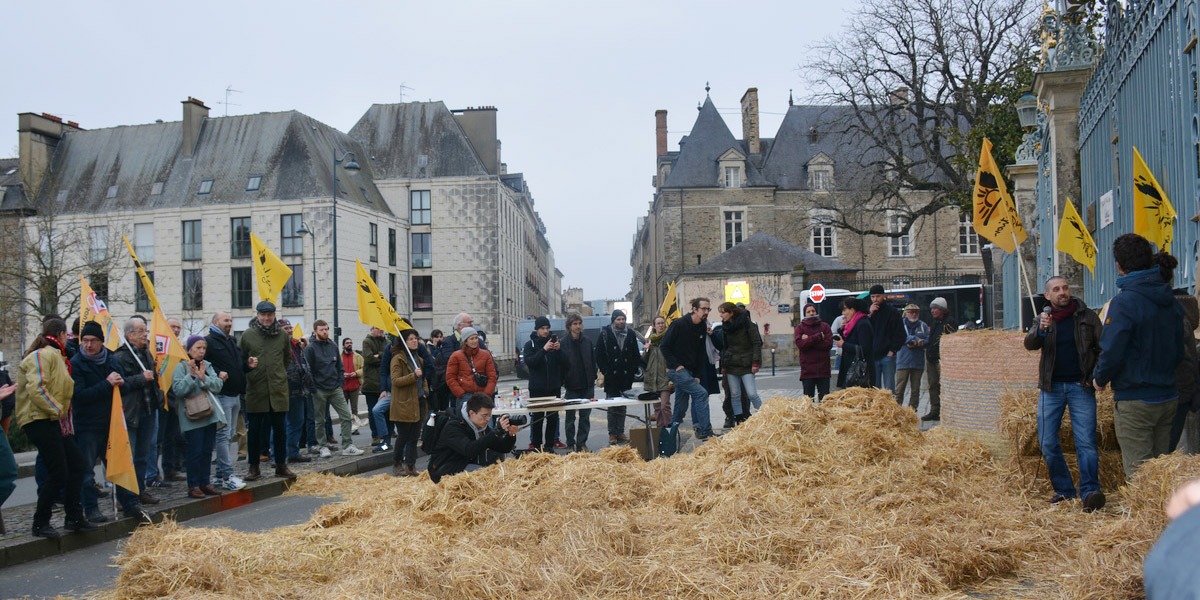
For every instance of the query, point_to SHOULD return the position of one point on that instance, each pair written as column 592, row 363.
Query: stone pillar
column 799, row 284
column 1024, row 192
column 1060, row 92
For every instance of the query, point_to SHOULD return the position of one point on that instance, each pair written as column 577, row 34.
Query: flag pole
column 1023, row 276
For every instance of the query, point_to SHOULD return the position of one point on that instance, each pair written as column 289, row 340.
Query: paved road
column 90, row 569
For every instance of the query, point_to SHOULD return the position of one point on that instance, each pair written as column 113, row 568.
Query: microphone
column 1046, row 311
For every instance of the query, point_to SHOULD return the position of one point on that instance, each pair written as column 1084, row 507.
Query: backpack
column 668, row 440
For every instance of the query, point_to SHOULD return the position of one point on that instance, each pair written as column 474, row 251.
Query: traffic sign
column 737, row 291
column 816, row 293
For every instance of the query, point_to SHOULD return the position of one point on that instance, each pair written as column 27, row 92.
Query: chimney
column 480, row 126
column 37, row 138
column 750, row 120
column 899, row 96
column 194, row 114
column 660, row 132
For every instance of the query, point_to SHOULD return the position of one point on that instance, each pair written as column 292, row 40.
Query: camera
column 518, row 420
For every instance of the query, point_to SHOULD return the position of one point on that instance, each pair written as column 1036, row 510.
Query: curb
column 35, row 548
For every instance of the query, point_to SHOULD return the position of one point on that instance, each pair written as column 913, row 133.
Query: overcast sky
column 576, row 84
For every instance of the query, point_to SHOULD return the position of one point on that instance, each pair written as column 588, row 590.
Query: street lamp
column 352, row 166
column 305, row 230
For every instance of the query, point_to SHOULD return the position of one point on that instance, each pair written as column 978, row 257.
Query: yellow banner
column 1153, row 215
column 373, row 308
column 995, row 214
column 168, row 353
column 297, row 332
column 141, row 272
column 670, row 306
column 270, row 272
column 119, row 454
column 1074, row 238
column 92, row 308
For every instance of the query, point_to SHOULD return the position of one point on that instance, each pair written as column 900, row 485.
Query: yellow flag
column 995, row 215
column 270, row 272
column 297, row 332
column 1074, row 238
column 168, row 353
column 1153, row 215
column 119, row 454
column 670, row 306
column 373, row 308
column 92, row 308
column 141, row 272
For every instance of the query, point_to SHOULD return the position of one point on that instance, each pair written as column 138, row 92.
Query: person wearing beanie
column 95, row 372
column 193, row 377
column 470, row 369
column 543, row 356
column 888, row 327
column 941, row 323
column 618, row 359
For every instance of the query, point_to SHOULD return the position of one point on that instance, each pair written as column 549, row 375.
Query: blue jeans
column 736, row 384
column 232, row 407
column 379, row 415
column 299, row 416
column 200, row 442
column 8, row 469
column 685, row 386
column 1081, row 401
column 885, row 373
column 92, row 445
column 143, row 439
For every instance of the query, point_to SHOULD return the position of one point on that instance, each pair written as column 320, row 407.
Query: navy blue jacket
column 1142, row 340
column 92, row 401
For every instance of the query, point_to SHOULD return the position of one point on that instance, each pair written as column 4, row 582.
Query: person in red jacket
column 471, row 369
column 813, row 339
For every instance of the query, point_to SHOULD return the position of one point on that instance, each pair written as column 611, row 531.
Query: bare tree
column 925, row 81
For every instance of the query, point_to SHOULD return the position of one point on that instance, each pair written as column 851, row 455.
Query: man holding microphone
column 1068, row 335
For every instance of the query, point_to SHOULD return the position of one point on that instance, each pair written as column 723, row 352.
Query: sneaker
column 333, row 446
column 1058, row 498
column 325, row 453
column 932, row 417
column 314, row 450
column 95, row 515
column 622, row 438
column 531, row 448
column 380, row 448
column 558, row 445
column 299, row 459
column 78, row 525
column 728, row 423
column 612, row 440
column 351, row 450
column 1093, row 501
column 582, row 448
column 704, row 435
column 157, row 483
column 135, row 511
column 232, row 483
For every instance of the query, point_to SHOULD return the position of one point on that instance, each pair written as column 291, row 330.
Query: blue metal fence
column 1142, row 93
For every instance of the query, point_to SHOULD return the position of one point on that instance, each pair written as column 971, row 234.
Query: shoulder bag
column 856, row 373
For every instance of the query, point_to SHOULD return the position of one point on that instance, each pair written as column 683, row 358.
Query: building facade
column 716, row 191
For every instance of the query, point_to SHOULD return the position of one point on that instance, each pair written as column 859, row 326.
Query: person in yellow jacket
column 44, row 390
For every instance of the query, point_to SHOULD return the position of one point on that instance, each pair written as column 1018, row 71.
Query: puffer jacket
column 743, row 345
column 459, row 376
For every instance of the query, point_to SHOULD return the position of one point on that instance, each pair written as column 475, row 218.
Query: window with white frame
column 143, row 241
column 899, row 246
column 968, row 240
column 823, row 240
column 733, row 228
column 99, row 239
column 733, row 177
column 820, row 173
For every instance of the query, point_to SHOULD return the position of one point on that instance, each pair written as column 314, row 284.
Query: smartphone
column 554, row 338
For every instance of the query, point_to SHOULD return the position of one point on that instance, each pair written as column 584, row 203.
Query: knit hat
column 191, row 341
column 285, row 323
column 541, row 322
column 615, row 314
column 877, row 289
column 468, row 332
column 92, row 328
column 940, row 303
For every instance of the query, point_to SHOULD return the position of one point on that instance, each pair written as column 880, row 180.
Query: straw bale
column 1109, row 560
column 846, row 499
column 1018, row 423
column 1033, row 473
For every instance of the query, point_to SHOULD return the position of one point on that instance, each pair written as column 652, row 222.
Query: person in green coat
column 267, row 352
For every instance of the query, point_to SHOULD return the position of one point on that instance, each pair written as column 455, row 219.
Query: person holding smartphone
column 544, row 359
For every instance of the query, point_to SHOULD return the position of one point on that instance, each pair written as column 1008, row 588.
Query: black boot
column 79, row 524
column 46, row 531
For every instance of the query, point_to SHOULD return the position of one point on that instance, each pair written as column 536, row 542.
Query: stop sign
column 816, row 293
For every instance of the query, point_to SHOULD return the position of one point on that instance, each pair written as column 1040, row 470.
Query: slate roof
column 397, row 135
column 12, row 193
column 764, row 253
column 292, row 152
column 696, row 164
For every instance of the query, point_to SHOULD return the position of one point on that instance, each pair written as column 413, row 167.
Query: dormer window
column 820, row 173
column 732, row 169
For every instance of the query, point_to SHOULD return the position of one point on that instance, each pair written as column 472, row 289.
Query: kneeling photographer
column 471, row 439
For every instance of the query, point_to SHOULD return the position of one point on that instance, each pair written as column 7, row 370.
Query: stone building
column 188, row 193
column 716, row 191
